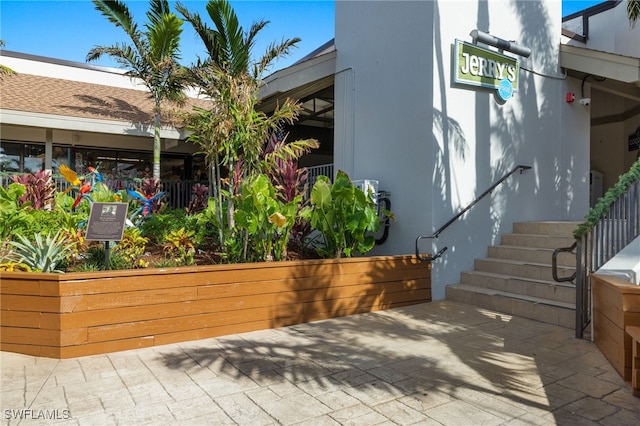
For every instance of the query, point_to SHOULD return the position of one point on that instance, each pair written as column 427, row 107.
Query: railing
column 618, row 227
column 179, row 193
column 314, row 171
column 456, row 217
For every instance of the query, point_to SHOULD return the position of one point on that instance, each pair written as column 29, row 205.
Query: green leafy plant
column 43, row 255
column 13, row 214
column 131, row 247
column 180, row 245
column 264, row 220
column 344, row 215
column 600, row 210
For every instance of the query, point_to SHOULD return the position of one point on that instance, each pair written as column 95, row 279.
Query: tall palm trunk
column 156, row 140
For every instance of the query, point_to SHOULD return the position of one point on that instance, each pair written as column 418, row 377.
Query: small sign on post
column 106, row 223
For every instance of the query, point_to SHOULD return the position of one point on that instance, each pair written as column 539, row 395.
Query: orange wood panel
column 29, row 303
column 109, row 311
column 20, row 319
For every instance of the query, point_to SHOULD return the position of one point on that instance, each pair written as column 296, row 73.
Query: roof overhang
column 608, row 65
column 60, row 122
column 298, row 81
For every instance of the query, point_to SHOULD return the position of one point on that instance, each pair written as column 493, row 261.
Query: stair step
column 517, row 268
column 536, row 240
column 516, row 276
column 550, row 290
column 532, row 254
column 546, row 228
column 548, row 311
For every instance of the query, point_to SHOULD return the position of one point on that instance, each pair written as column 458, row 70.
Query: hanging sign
column 480, row 67
column 634, row 140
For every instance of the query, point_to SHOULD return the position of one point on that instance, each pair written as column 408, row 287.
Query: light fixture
column 510, row 46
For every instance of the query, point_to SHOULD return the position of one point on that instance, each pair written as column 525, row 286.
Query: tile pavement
column 440, row 363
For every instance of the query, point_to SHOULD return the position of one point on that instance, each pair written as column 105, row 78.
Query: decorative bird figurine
column 84, row 192
column 70, row 176
column 147, row 201
column 96, row 174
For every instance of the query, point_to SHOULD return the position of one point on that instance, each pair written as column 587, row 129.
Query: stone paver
column 439, row 363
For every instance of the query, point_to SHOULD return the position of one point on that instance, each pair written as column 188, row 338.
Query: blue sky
column 68, row 29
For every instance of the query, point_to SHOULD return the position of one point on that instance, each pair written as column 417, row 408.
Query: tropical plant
column 200, row 196
column 40, row 189
column 152, row 56
column 264, row 222
column 13, row 214
column 232, row 132
column 132, row 246
column 228, row 45
column 43, row 255
column 180, row 245
column 344, row 215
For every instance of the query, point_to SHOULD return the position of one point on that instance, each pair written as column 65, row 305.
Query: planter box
column 616, row 305
column 79, row 314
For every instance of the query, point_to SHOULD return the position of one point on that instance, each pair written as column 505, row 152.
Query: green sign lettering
column 477, row 66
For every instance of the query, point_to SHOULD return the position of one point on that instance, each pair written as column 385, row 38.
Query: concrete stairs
column 516, row 278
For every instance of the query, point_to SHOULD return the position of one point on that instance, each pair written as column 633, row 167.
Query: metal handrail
column 435, row 235
column 554, row 263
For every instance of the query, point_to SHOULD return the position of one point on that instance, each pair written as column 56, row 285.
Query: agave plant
column 43, row 255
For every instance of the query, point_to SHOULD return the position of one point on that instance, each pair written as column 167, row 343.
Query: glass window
column 61, row 155
column 33, row 158
column 10, row 157
column 172, row 168
column 106, row 162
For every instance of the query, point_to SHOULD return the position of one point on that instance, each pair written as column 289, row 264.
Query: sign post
column 106, row 223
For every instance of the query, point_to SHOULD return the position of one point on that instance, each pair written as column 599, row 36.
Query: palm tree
column 228, row 46
column 151, row 57
column 233, row 132
column 633, row 11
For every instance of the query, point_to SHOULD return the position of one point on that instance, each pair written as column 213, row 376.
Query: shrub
column 343, row 215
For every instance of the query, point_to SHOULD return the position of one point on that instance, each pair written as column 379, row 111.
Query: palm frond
column 117, row 13
column 275, row 51
column 633, row 12
column 157, row 10
column 203, row 30
column 164, row 39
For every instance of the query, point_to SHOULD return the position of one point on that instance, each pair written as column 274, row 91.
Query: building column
column 48, row 150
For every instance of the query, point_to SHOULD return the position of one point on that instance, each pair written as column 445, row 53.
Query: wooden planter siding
column 79, row 314
column 616, row 305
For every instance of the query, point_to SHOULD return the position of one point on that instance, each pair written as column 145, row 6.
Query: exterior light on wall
column 479, row 36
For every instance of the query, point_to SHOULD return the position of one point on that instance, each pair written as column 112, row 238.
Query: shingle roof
column 46, row 95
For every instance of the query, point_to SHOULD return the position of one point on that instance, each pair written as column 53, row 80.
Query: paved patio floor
column 429, row 364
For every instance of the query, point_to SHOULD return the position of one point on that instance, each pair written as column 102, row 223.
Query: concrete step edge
column 513, row 277
column 531, row 299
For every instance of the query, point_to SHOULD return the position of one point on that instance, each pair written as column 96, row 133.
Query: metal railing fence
column 619, row 227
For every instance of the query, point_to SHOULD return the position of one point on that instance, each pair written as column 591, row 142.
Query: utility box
column 366, row 186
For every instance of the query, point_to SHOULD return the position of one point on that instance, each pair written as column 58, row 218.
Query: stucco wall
column 436, row 146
